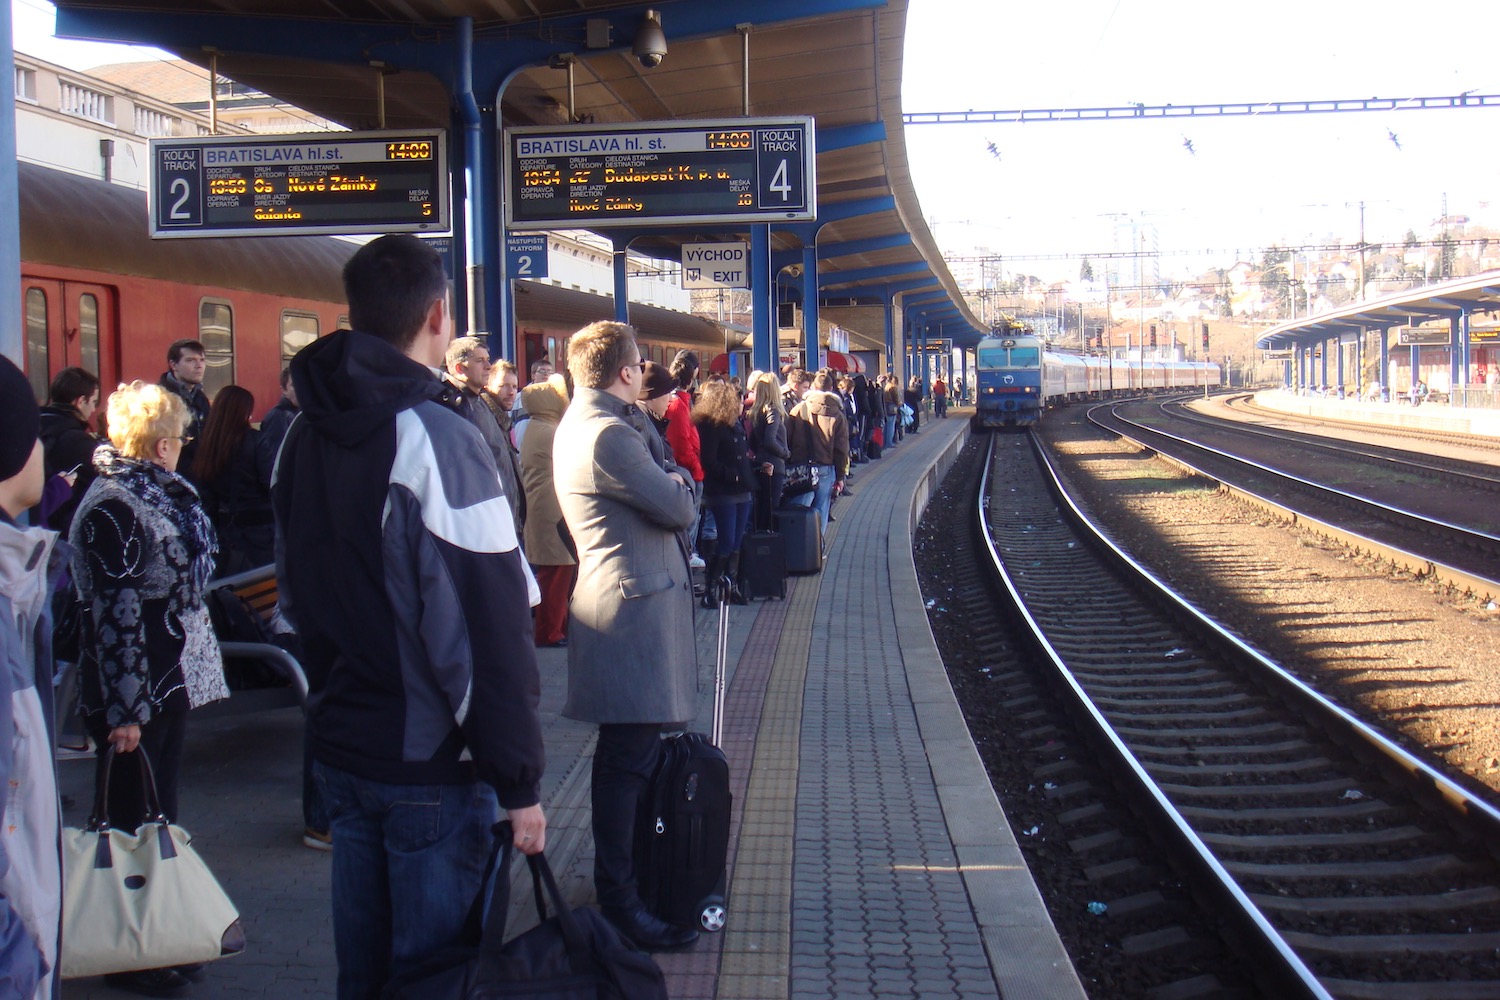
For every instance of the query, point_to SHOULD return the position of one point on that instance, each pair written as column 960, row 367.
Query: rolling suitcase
column 763, row 565
column 803, row 533
column 682, row 829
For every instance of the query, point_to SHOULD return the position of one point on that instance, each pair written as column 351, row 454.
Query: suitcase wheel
column 711, row 914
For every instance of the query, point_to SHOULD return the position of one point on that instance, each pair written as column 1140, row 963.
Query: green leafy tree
column 1086, row 271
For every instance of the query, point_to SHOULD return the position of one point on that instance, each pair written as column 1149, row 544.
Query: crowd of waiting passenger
column 546, row 515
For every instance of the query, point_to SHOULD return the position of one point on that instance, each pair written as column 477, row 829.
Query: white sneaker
column 696, row 562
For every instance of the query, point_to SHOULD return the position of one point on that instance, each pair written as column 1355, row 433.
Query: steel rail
column 1272, row 957
column 1325, row 713
column 1331, row 445
column 1482, row 587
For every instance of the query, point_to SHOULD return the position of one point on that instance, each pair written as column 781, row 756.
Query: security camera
column 650, row 42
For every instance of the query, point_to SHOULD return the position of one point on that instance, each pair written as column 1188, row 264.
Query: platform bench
column 258, row 594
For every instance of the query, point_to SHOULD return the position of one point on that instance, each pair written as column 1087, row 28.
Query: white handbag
column 142, row 900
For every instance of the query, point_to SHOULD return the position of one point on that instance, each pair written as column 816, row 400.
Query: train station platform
column 1429, row 416
column 869, row 855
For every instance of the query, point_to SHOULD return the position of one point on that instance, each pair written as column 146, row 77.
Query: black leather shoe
column 194, row 973
column 649, row 933
column 149, row 983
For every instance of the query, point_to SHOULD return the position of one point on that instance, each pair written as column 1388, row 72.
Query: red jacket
column 682, row 435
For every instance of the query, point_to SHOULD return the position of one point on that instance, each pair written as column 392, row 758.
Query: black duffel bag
column 574, row 955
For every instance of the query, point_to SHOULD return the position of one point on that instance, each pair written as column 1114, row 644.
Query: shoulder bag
column 573, row 955
column 141, row 900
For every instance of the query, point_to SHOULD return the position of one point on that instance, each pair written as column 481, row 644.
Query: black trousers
column 163, row 739
column 624, row 760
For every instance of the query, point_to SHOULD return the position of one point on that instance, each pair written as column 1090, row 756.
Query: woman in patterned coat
column 146, row 552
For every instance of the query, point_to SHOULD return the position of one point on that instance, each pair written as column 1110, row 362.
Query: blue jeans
column 890, row 431
column 821, row 498
column 408, row 861
column 732, row 521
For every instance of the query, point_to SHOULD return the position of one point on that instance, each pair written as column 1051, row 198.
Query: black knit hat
column 20, row 420
column 658, row 381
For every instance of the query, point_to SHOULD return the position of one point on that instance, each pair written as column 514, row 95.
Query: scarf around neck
column 171, row 495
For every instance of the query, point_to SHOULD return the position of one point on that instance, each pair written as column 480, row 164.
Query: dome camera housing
column 650, row 42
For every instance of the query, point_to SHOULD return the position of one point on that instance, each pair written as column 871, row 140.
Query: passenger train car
column 99, row 293
column 1018, row 378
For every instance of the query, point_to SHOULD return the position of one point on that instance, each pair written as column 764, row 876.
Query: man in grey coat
column 632, row 665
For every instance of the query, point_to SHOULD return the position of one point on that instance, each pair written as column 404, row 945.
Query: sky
column 1250, row 182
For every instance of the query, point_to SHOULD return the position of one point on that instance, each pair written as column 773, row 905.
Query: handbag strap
column 544, row 886
column 99, row 819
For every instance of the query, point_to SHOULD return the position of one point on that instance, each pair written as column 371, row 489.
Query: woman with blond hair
column 768, row 444
column 145, row 553
column 727, row 480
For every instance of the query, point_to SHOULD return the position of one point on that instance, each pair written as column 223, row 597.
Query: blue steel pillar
column 1385, row 359
column 888, row 309
column 1338, row 362
column 1416, row 363
column 1458, row 357
column 622, row 278
column 11, row 336
column 811, row 359
column 764, row 350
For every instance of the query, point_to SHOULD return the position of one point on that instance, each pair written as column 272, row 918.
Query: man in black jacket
column 399, row 561
column 187, row 363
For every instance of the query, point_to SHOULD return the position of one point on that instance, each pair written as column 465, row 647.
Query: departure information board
column 318, row 183
column 661, row 173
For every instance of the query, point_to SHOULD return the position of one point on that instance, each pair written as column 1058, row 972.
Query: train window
column 343, row 322
column 552, row 355
column 36, row 342
column 88, row 333
column 216, row 331
column 1025, row 357
column 993, row 357
column 298, row 329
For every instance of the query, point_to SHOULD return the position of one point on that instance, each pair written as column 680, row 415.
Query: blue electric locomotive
column 1008, row 367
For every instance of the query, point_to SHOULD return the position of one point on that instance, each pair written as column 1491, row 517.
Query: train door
column 532, row 351
column 68, row 324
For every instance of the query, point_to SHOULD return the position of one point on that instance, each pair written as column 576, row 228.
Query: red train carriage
column 98, row 292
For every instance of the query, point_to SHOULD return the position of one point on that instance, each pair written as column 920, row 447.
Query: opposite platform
column 869, row 858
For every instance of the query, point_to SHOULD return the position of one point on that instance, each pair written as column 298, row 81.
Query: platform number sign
column 179, row 174
column 526, row 255
column 780, row 156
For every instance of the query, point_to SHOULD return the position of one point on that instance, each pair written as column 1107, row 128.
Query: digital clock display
column 665, row 172
column 408, row 150
column 324, row 183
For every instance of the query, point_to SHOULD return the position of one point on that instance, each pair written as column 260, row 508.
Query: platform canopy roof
column 839, row 61
column 1477, row 294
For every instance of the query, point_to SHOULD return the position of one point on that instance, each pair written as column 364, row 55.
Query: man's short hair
column 461, row 349
column 598, row 352
column 505, row 368
column 390, row 284
column 822, row 382
column 796, row 376
column 537, row 366
column 286, row 378
column 174, row 353
column 72, row 384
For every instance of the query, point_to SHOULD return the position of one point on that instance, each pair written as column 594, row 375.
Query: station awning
column 841, row 362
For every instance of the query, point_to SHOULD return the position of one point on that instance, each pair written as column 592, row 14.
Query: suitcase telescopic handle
column 721, row 668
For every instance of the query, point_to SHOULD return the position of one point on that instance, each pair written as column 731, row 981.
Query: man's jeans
column 408, row 861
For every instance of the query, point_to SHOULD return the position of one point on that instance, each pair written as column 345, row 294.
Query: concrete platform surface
column 869, row 855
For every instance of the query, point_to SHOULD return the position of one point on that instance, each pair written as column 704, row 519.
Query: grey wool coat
column 631, row 654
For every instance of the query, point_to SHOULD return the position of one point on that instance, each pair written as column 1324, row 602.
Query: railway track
column 1247, row 403
column 1464, row 555
column 1338, row 863
column 1432, row 468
